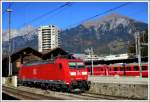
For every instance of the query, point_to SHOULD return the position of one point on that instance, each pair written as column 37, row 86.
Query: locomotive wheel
column 58, row 87
column 85, row 85
column 46, row 86
column 63, row 88
column 67, row 89
column 42, row 86
column 25, row 84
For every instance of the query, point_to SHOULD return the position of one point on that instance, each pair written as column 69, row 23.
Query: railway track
column 105, row 97
column 28, row 93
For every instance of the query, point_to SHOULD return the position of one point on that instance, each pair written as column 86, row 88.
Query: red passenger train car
column 131, row 69
column 98, row 70
column 60, row 73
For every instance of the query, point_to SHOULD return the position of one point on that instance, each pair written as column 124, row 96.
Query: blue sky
column 69, row 16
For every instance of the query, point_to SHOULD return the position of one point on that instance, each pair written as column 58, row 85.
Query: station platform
column 118, row 79
column 129, row 87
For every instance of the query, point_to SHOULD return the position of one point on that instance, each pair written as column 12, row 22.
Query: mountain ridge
column 105, row 36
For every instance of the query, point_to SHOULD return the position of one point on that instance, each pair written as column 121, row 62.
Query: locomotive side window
column 60, row 66
column 136, row 68
column 128, row 69
column 144, row 68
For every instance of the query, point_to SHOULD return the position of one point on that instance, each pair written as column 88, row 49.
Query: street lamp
column 9, row 24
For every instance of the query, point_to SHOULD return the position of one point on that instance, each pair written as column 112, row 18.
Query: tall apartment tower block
column 48, row 38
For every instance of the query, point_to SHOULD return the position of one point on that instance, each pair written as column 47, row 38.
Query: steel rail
column 26, row 95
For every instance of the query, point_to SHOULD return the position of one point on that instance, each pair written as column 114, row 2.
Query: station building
column 28, row 55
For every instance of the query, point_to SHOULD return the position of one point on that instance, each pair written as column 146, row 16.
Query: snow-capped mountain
column 105, row 34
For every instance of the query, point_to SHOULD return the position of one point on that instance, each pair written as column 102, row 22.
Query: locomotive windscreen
column 76, row 65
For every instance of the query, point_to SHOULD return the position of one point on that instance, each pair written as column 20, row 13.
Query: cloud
column 20, row 32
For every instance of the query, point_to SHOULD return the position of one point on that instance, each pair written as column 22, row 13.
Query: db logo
column 78, row 73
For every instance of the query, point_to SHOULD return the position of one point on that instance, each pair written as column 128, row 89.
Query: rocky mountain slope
column 108, row 34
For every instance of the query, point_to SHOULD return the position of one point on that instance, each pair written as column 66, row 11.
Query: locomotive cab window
column 72, row 65
column 76, row 65
column 136, row 68
column 80, row 65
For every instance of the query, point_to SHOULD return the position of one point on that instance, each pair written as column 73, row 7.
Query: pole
column 124, row 70
column 92, row 60
column 9, row 31
column 139, row 54
column 136, row 47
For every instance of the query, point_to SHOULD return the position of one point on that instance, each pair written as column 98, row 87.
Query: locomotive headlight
column 72, row 73
column 84, row 73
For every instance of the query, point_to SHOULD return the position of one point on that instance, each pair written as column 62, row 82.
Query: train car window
column 80, row 65
column 136, row 68
column 144, row 68
column 122, row 68
column 72, row 65
column 110, row 69
column 128, row 68
column 115, row 69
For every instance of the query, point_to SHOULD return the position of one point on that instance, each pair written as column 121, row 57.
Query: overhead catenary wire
column 102, row 13
column 67, row 4
column 45, row 14
column 54, row 12
column 53, row 15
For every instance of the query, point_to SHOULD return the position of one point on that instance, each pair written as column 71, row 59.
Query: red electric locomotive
column 61, row 73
